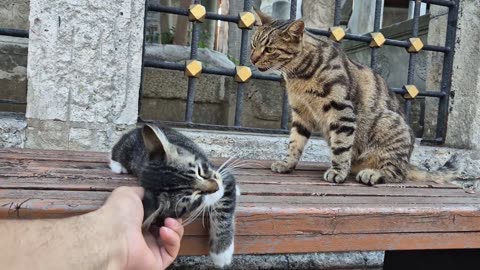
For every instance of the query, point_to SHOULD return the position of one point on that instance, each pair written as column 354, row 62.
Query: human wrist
column 109, row 236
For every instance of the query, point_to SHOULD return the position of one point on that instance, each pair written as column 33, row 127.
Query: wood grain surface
column 278, row 213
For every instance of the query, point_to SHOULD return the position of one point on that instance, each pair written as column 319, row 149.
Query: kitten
column 350, row 104
column 179, row 180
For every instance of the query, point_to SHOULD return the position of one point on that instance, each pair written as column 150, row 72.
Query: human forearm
column 81, row 242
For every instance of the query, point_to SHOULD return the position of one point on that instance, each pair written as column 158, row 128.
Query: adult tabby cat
column 347, row 102
column 179, row 180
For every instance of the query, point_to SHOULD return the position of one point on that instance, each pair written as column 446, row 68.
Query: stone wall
column 14, row 14
column 12, row 130
column 84, row 72
column 13, row 54
column 13, row 72
column 463, row 119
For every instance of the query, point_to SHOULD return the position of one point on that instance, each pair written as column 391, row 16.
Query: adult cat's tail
column 448, row 172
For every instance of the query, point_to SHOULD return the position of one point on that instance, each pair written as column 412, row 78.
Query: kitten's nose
column 208, row 186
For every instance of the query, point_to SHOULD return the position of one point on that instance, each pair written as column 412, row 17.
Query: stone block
column 170, row 84
column 47, row 134
column 14, row 14
column 85, row 58
column 12, row 130
column 262, row 103
column 463, row 122
column 174, row 110
column 13, row 72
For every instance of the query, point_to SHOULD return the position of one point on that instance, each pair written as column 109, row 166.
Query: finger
column 123, row 191
column 139, row 191
column 171, row 244
column 175, row 225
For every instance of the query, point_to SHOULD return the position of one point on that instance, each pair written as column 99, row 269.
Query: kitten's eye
column 199, row 171
column 269, row 49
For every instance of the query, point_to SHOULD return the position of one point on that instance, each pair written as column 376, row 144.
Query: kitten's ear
column 156, row 143
column 261, row 18
column 295, row 29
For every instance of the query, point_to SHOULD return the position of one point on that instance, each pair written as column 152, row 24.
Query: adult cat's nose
column 254, row 58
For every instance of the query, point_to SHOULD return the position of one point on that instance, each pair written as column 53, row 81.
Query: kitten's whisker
column 225, row 163
column 176, row 204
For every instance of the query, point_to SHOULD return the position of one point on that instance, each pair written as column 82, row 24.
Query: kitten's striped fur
column 350, row 104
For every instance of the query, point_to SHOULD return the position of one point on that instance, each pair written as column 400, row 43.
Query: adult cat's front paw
column 335, row 175
column 282, row 167
column 370, row 177
column 224, row 258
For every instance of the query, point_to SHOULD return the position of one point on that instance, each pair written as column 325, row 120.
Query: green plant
column 167, row 37
column 233, row 59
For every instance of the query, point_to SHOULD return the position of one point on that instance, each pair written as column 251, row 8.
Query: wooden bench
column 294, row 213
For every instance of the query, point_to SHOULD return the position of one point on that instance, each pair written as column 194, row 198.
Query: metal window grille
column 442, row 95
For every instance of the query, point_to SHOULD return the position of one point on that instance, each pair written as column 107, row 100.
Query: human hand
column 123, row 213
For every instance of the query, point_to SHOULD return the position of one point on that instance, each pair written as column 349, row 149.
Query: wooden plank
column 61, row 155
column 277, row 214
column 196, row 245
column 267, row 218
column 109, row 181
column 33, row 154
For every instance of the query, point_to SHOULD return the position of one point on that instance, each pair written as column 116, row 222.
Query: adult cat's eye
column 269, row 49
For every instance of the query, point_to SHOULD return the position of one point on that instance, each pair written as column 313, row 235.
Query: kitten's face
column 185, row 179
column 275, row 43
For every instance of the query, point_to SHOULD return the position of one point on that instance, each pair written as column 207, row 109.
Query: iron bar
column 445, row 3
column 192, row 81
column 435, row 94
column 337, row 16
column 285, row 106
column 208, row 70
column 184, row 12
column 390, row 42
column 11, row 101
column 412, row 59
column 446, row 83
column 14, row 32
column 244, row 51
column 376, row 28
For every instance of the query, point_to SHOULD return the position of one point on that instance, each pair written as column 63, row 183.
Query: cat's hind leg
column 391, row 144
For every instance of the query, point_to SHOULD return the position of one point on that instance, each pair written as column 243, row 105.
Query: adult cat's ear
column 261, row 18
column 295, row 29
column 156, row 143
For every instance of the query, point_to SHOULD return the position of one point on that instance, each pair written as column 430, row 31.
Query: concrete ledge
column 340, row 260
column 269, row 146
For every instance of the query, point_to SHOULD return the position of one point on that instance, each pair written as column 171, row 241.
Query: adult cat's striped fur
column 350, row 104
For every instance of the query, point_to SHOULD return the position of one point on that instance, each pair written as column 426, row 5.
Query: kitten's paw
column 282, row 167
column 117, row 167
column 370, row 177
column 223, row 258
column 335, row 176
